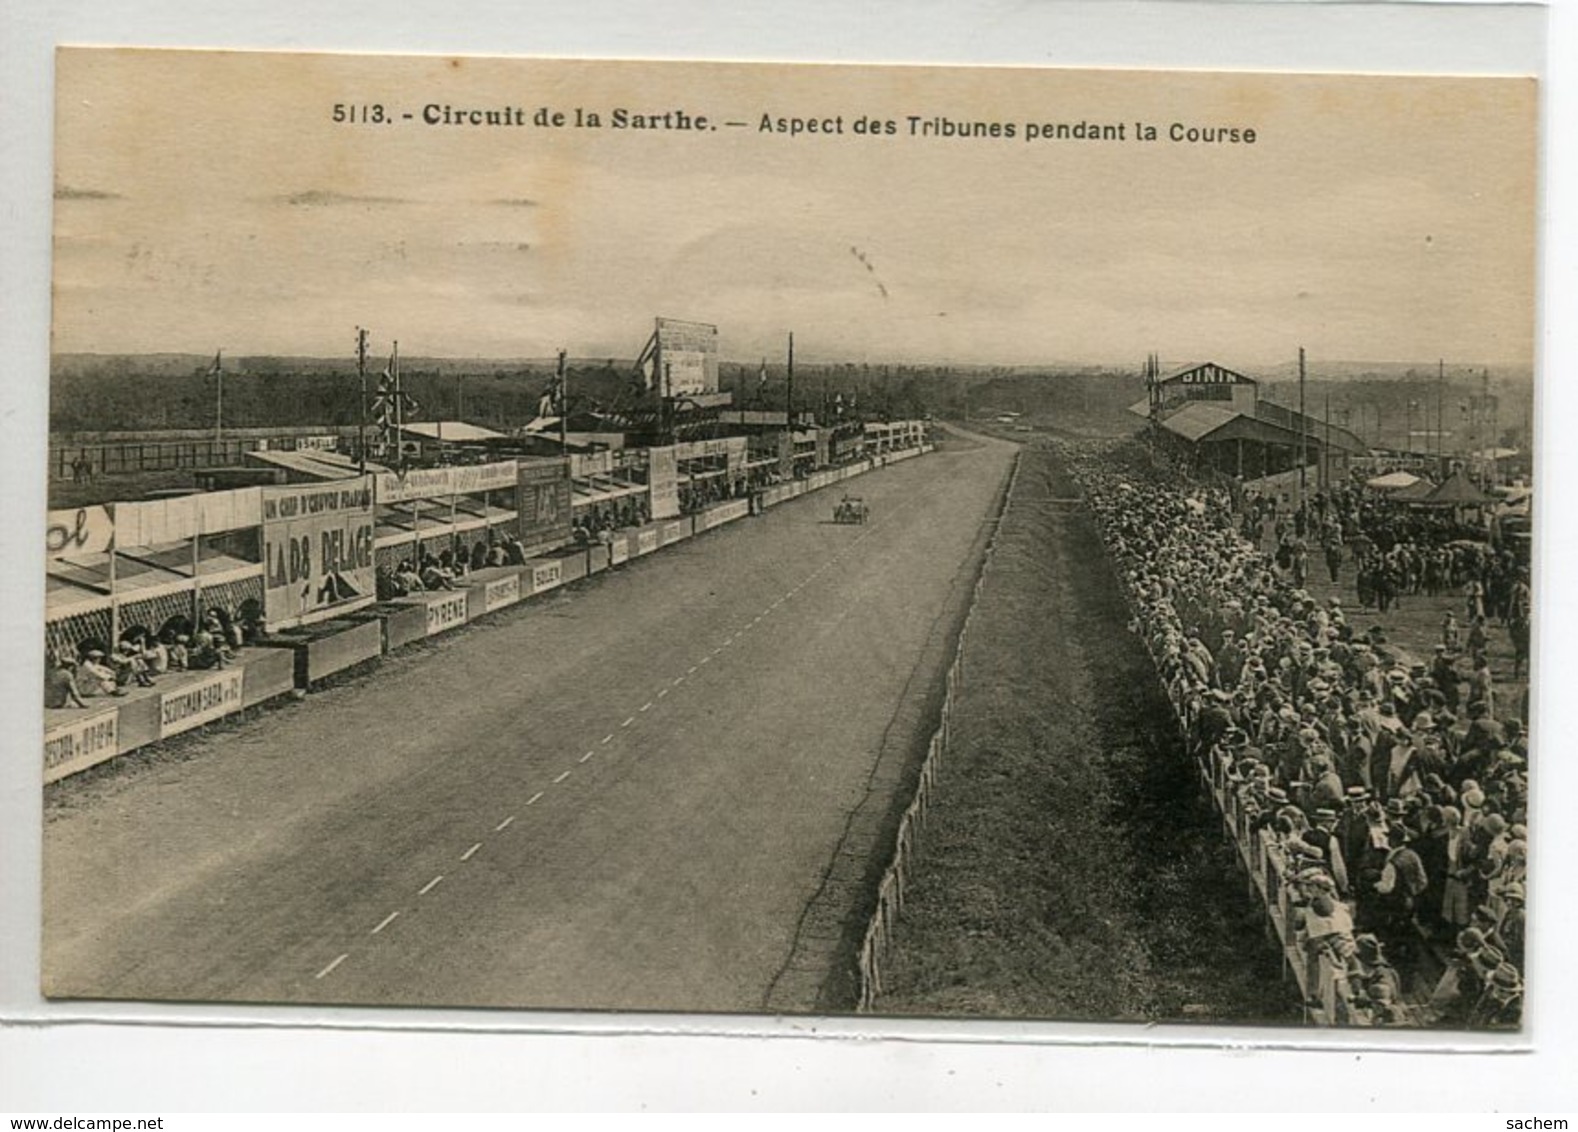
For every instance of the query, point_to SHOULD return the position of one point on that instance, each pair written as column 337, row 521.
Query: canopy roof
column 1391, row 481
column 1458, row 491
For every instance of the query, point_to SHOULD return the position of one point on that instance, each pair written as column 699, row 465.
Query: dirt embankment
column 1070, row 867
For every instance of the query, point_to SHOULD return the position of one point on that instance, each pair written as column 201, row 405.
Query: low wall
column 327, row 647
column 78, row 738
column 299, row 658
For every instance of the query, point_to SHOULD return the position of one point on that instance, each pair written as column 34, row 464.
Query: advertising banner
column 77, row 745
column 501, row 592
column 824, row 447
column 689, row 351
column 735, row 452
column 646, row 541
column 200, row 703
column 446, row 613
column 79, row 532
column 317, row 550
column 786, row 454
column 542, row 498
column 438, row 483
column 546, row 576
column 663, row 482
column 619, row 550
column 673, row 532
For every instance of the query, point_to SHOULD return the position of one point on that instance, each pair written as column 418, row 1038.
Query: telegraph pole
column 1440, row 411
column 361, row 419
column 789, row 404
column 219, row 395
column 1325, row 455
column 1303, row 449
column 564, row 406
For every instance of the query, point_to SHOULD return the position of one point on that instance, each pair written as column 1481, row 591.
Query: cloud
column 313, row 198
column 66, row 192
column 514, row 202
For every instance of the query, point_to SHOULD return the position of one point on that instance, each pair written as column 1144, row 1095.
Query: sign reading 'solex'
column 317, row 550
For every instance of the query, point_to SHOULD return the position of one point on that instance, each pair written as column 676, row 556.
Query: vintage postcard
column 983, row 543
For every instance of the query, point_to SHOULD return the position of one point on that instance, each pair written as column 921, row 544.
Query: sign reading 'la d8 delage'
column 317, row 550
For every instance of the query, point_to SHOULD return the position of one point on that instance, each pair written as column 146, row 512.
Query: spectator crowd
column 1393, row 792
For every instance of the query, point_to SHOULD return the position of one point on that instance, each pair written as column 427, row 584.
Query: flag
column 391, row 404
column 218, row 368
column 646, row 364
column 551, row 403
column 761, row 379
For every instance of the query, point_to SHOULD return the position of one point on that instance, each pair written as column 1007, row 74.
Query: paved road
column 619, row 798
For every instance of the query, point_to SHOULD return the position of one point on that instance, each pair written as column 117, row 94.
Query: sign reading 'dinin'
column 200, row 703
column 79, row 744
column 1210, row 374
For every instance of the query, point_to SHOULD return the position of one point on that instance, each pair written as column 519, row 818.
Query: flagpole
column 564, row 406
column 361, row 422
column 789, row 398
column 219, row 394
column 399, row 410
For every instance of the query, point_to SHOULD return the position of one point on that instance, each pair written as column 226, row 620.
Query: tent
column 1414, row 493
column 1392, row 481
column 1457, row 491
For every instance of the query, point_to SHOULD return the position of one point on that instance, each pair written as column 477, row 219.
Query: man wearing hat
column 1511, row 931
column 1401, row 884
column 1324, row 838
column 1461, row 983
column 1443, row 672
column 1500, row 1005
column 95, row 678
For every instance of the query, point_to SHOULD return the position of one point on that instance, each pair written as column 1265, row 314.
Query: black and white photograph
column 761, row 539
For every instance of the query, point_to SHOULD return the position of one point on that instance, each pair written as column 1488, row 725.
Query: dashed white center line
column 706, row 659
column 503, row 825
column 662, row 692
column 628, row 722
column 431, row 885
column 647, row 706
column 561, row 778
column 332, row 966
column 384, row 923
column 606, row 739
column 586, row 756
column 678, row 680
column 691, row 671
column 466, row 856
column 534, row 797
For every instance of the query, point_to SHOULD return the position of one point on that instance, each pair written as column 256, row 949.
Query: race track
column 620, row 797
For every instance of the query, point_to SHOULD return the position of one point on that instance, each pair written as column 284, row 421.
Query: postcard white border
column 377, row 1058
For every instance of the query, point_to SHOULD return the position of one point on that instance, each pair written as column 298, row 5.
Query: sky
column 208, row 201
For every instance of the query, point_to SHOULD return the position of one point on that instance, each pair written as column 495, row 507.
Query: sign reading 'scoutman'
column 200, row 703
